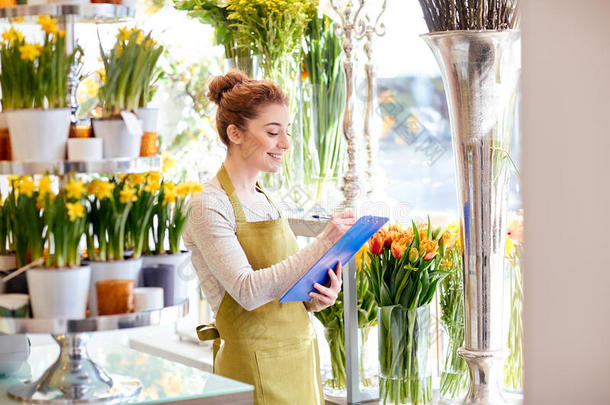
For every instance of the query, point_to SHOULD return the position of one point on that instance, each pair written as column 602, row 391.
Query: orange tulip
column 398, row 249
column 428, row 248
column 376, row 244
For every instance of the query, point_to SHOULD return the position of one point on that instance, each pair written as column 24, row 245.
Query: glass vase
column 513, row 365
column 334, row 376
column 404, row 346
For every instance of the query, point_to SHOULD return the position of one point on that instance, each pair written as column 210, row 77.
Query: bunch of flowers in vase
column 454, row 375
column 334, row 329
column 34, row 83
column 513, row 367
column 274, row 30
column 216, row 14
column 404, row 271
column 322, row 106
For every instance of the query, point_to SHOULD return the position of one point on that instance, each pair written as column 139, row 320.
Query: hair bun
column 221, row 84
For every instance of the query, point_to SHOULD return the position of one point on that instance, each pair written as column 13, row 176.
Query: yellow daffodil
column 128, row 194
column 510, row 246
column 75, row 211
column 29, row 52
column 183, row 189
column 12, row 35
column 153, row 182
column 104, row 190
column 75, row 189
column 167, row 161
column 44, row 185
column 169, row 193
column 48, row 24
column 121, row 176
column 13, row 179
column 123, row 34
column 17, row 20
column 26, row 186
column 136, row 178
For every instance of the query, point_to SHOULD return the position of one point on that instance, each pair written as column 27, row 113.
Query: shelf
column 94, row 324
column 136, row 165
column 85, row 12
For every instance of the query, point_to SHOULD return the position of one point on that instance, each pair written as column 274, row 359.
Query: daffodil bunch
column 65, row 219
column 34, row 75
column 25, row 204
column 6, row 234
column 110, row 202
column 129, row 69
column 140, row 217
column 171, row 213
column 273, row 29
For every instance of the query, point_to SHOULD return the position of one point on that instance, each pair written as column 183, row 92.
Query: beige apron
column 272, row 347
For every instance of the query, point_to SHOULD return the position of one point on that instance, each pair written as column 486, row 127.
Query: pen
column 320, row 217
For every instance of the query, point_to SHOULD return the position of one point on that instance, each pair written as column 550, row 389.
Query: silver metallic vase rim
column 467, row 33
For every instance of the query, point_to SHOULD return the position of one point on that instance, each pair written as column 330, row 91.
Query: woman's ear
column 235, row 134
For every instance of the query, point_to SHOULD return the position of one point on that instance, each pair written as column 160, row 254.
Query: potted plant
column 109, row 205
column 170, row 214
column 59, row 288
column 35, row 92
column 126, row 78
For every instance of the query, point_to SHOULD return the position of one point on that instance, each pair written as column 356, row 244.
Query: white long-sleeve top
column 222, row 265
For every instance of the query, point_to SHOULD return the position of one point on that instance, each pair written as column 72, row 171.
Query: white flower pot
column 183, row 272
column 149, row 117
column 38, row 135
column 118, row 141
column 114, row 270
column 83, row 149
column 59, row 293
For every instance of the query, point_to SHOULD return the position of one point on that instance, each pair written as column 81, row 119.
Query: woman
column 247, row 257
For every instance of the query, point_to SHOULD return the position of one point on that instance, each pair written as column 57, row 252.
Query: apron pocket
column 287, row 375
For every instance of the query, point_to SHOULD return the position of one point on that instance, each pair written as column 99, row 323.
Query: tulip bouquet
column 404, row 272
column 454, row 376
column 332, row 320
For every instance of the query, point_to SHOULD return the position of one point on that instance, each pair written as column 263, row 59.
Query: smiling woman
column 246, row 255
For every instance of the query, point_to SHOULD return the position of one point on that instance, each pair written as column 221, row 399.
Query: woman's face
column 266, row 138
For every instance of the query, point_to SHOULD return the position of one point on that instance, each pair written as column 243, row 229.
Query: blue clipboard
column 342, row 251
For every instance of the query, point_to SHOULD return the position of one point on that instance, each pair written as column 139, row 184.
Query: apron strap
column 209, row 332
column 270, row 200
column 227, row 186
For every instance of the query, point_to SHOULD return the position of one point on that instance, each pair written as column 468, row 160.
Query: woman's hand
column 338, row 225
column 328, row 295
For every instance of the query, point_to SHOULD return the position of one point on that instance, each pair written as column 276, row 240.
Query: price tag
column 134, row 126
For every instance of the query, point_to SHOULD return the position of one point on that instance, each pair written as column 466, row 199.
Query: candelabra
column 371, row 136
column 349, row 26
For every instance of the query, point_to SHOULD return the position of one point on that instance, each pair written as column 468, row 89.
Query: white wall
column 566, row 190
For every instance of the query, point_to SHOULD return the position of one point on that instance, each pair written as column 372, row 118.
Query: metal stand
column 349, row 27
column 74, row 377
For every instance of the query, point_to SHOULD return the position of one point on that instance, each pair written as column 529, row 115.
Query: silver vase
column 480, row 71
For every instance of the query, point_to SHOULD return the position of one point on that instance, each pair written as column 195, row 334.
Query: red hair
column 238, row 98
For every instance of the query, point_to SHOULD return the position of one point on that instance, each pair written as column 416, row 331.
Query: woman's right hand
column 339, row 224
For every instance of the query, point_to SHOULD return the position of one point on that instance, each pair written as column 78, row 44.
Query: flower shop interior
column 459, row 133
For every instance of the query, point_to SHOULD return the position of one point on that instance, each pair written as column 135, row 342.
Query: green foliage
column 129, row 71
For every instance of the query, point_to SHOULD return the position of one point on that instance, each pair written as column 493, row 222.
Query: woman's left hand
column 328, row 295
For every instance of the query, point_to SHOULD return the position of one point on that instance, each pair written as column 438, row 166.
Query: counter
column 163, row 381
